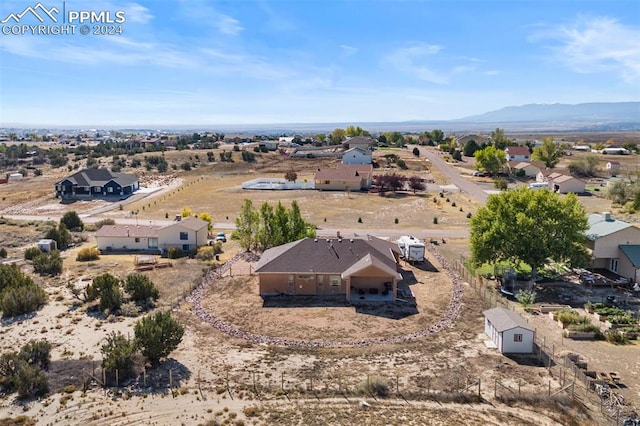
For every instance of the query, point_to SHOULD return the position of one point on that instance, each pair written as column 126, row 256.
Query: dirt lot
column 215, row 377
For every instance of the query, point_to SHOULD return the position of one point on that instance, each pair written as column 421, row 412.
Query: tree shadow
column 392, row 310
column 8, row 321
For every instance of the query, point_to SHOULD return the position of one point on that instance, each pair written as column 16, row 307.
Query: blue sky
column 195, row 62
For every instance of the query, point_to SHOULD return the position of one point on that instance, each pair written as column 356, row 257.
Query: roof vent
column 607, row 216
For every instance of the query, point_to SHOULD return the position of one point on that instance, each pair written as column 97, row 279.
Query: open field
column 218, row 378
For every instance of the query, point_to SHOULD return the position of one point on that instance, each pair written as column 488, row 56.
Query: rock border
column 445, row 321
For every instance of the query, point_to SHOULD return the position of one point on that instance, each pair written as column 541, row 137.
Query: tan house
column 346, row 177
column 566, row 184
column 530, row 169
column 358, row 268
column 615, row 245
column 187, row 234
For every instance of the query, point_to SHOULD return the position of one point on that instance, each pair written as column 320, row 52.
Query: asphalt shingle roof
column 99, row 177
column 505, row 319
column 599, row 227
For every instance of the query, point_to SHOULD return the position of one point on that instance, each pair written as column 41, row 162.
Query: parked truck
column 412, row 249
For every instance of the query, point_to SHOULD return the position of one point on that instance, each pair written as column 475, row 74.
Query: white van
column 539, row 185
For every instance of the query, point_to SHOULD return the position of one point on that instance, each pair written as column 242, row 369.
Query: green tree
column 549, row 153
column 490, row 159
column 60, row 235
column 107, row 288
column 118, row 353
column 48, row 263
column 337, row 136
column 157, row 335
column 437, row 136
column 265, row 228
column 246, row 225
column 498, row 139
column 297, row 225
column 470, row 147
column 72, row 221
column 526, row 298
column 584, row 167
column 281, row 233
column 207, row 218
column 141, row 288
column 530, row 227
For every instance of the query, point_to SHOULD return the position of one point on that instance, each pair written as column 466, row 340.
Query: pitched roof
column 599, row 226
column 564, row 178
column 504, row 319
column 361, row 140
column 99, row 177
column 359, row 149
column 329, row 256
column 128, row 231
column 518, row 150
column 632, row 251
column 192, row 223
column 345, row 172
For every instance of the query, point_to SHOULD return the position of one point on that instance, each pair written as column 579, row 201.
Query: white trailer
column 412, row 248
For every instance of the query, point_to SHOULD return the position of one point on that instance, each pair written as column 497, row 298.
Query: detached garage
column 508, row 331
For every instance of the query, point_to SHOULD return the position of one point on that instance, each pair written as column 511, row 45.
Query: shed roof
column 505, row 319
column 632, row 252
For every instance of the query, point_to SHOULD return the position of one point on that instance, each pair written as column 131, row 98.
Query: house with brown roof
column 517, row 153
column 358, row 268
column 187, row 234
column 345, row 177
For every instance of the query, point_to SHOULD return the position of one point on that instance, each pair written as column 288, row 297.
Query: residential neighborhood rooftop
column 504, row 319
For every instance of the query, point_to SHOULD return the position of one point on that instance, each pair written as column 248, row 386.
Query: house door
column 320, row 288
column 614, row 265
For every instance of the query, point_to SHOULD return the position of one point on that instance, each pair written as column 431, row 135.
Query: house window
column 334, row 280
column 184, row 236
column 517, row 337
column 614, row 265
column 109, row 189
column 97, row 189
column 137, row 240
column 291, row 281
column 153, row 243
column 185, row 247
column 320, row 280
column 327, row 182
column 305, row 277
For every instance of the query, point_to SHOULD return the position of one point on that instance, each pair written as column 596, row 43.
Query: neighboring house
column 614, row 245
column 561, row 182
column 565, row 184
column 187, row 234
column 94, row 183
column 356, row 155
column 237, row 138
column 268, row 145
column 346, row 177
column 517, row 153
column 359, row 269
column 508, row 331
column 364, row 142
column 530, row 169
column 613, row 167
column 615, row 150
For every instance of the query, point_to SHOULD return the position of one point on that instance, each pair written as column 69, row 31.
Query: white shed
column 356, row 155
column 509, row 331
column 47, row 245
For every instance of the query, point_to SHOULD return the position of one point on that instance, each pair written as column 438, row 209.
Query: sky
column 206, row 63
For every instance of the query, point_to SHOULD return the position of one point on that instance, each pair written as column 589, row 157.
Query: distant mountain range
column 604, row 115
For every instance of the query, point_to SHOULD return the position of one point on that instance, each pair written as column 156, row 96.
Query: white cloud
column 202, row 12
column 592, row 45
column 414, row 60
column 348, row 50
column 137, row 13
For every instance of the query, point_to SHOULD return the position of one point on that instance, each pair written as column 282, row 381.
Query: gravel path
column 447, row 319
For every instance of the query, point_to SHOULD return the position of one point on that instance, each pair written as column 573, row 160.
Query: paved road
column 474, row 192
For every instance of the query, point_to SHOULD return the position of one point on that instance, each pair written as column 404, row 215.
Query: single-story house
column 530, row 169
column 356, row 155
column 345, row 177
column 565, row 184
column 358, row 268
column 614, row 245
column 268, row 145
column 517, row 153
column 91, row 183
column 615, row 150
column 613, row 167
column 508, row 331
column 561, row 182
column 187, row 234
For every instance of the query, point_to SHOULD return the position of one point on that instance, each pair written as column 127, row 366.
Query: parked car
column 220, row 236
column 482, row 174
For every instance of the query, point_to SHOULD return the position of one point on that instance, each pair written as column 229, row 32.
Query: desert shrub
column 375, row 385
column 130, row 309
column 435, row 220
column 38, row 353
column 88, row 253
column 141, row 288
column 569, row 316
column 613, row 336
column 23, row 371
column 18, row 300
column 3, row 252
column 48, row 263
column 99, row 224
column 31, row 252
column 175, row 253
column 206, row 253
